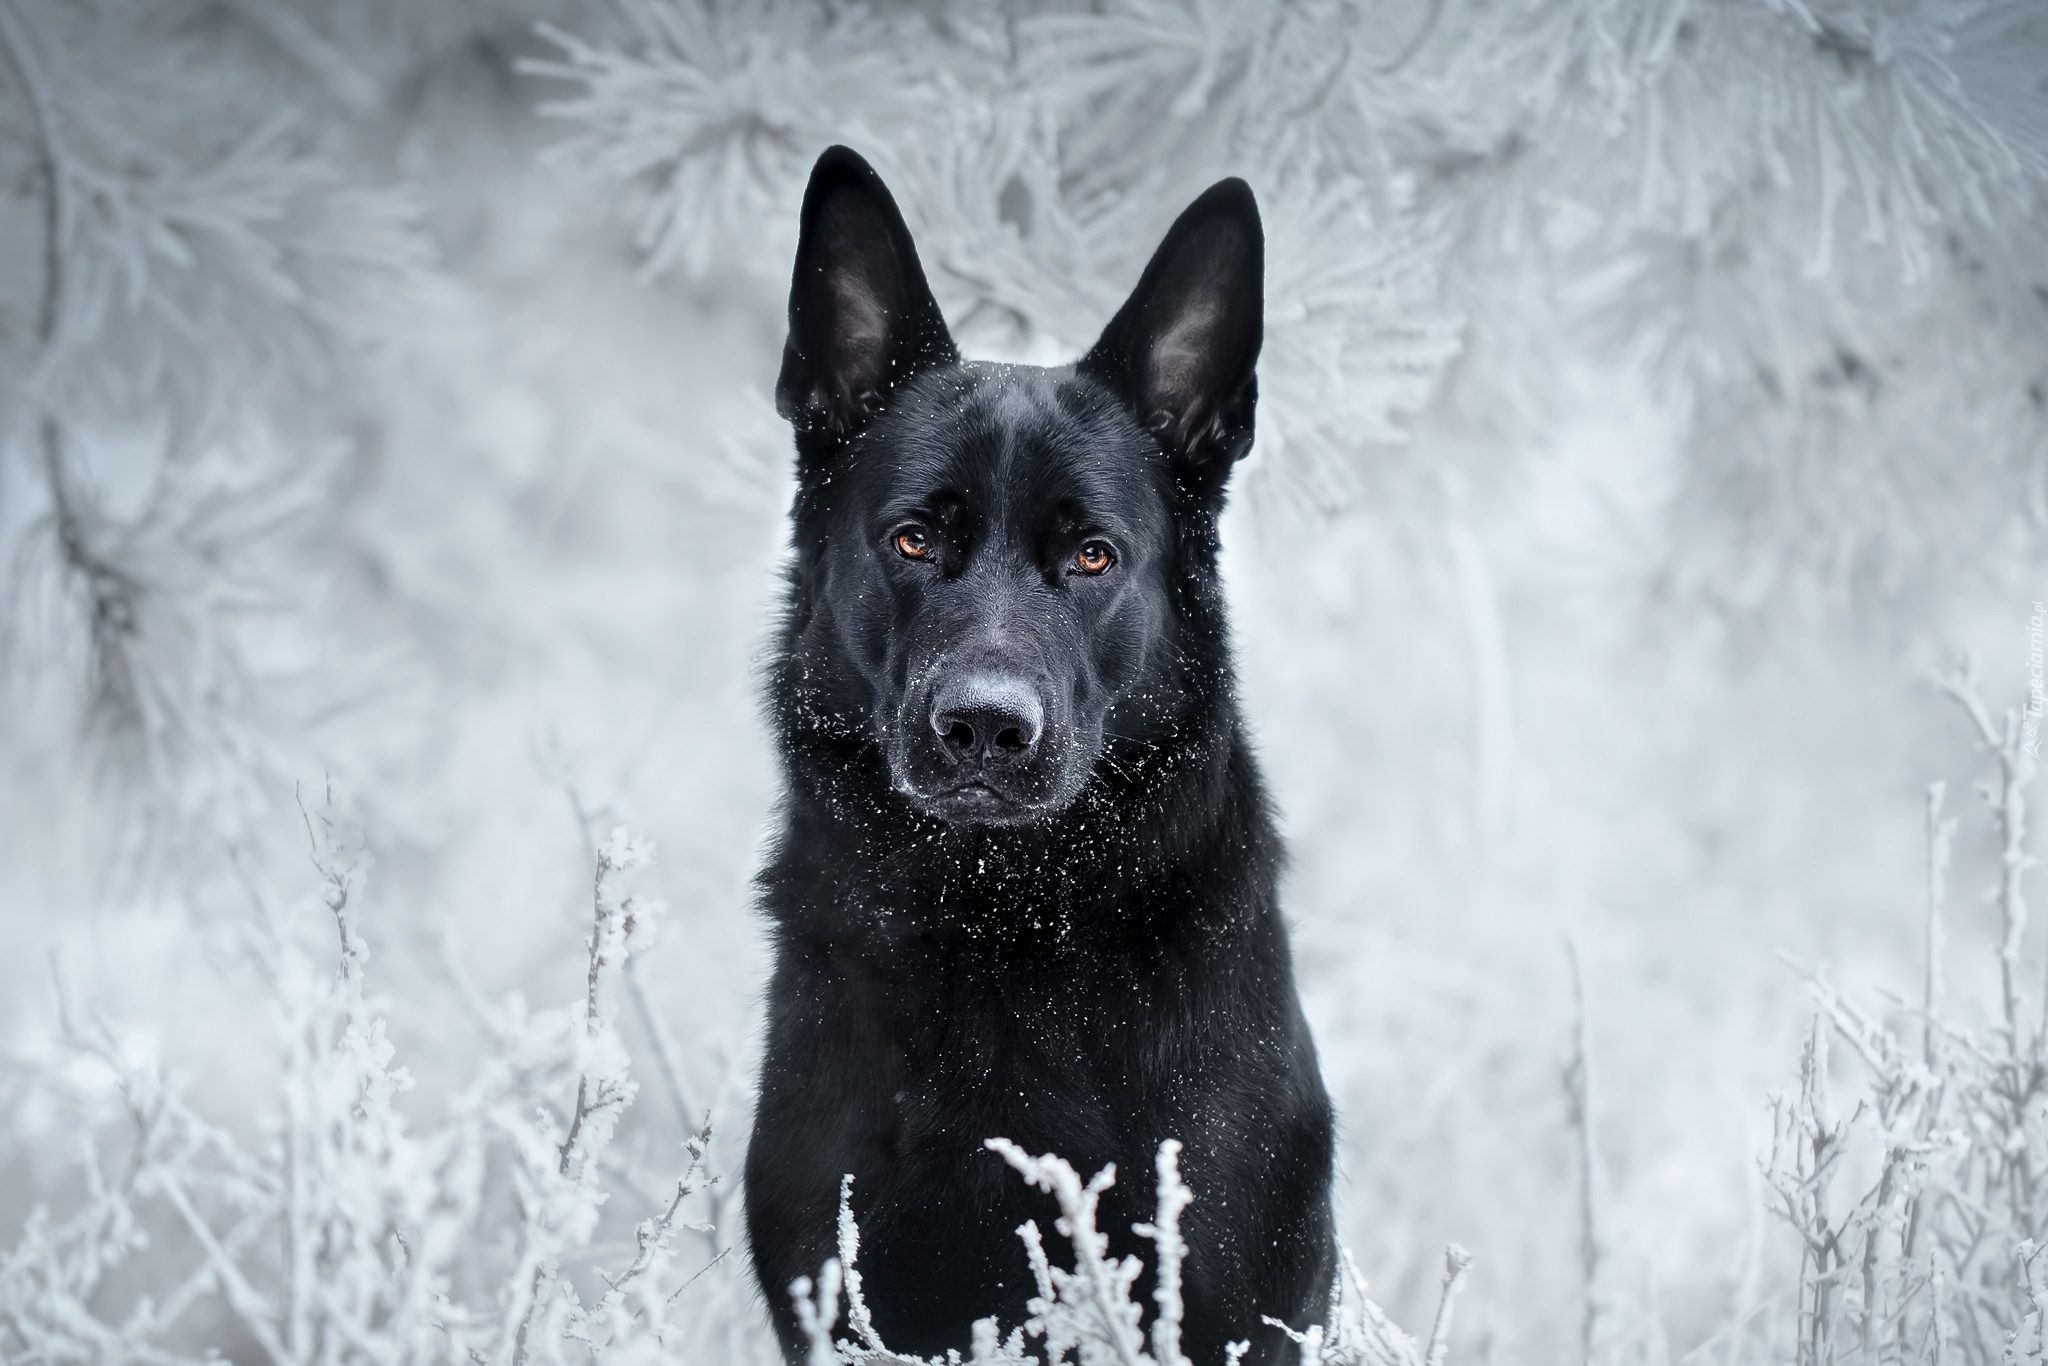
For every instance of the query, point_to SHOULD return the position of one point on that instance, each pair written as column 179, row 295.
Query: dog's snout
column 992, row 719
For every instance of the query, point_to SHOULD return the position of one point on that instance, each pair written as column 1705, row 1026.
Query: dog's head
column 995, row 562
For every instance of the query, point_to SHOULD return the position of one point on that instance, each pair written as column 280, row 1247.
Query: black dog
column 1025, row 882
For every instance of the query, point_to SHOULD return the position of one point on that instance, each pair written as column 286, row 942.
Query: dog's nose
column 994, row 719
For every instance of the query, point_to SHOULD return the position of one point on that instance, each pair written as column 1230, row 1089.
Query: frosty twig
column 336, row 1240
column 2007, row 799
column 1578, row 1087
column 1087, row 1314
column 1928, row 1257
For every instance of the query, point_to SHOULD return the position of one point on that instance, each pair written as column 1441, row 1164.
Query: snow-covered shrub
column 343, row 1229
column 1935, row 1253
column 1086, row 1315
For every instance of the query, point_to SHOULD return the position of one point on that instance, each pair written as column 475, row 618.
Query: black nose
column 991, row 719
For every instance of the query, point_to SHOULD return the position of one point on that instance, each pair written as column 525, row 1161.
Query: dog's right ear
column 862, row 320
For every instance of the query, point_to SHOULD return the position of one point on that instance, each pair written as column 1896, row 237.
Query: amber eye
column 913, row 544
column 1094, row 557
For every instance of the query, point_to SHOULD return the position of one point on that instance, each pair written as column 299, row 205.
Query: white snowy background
column 1654, row 407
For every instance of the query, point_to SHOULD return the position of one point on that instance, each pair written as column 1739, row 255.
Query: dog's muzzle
column 983, row 747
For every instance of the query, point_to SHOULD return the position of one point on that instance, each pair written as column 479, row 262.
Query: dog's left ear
column 862, row 320
column 1183, row 348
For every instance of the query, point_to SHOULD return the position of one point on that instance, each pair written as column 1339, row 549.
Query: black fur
column 1025, row 884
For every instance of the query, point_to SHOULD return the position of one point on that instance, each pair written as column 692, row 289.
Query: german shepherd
column 1025, row 882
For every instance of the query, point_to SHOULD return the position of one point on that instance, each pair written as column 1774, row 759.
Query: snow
column 1652, row 412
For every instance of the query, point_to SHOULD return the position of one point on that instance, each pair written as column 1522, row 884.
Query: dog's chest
column 983, row 1049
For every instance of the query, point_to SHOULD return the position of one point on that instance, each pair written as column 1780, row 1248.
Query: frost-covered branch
column 1726, row 195
column 1171, row 1250
column 1087, row 1314
column 1092, row 1302
column 1578, row 1087
column 340, row 1236
column 1940, row 841
column 2008, row 801
column 201, row 270
column 1926, row 1256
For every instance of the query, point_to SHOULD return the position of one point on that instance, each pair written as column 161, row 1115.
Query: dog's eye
column 913, row 544
column 1094, row 557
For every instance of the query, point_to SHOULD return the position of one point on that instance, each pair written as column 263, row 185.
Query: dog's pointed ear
column 1182, row 351
column 862, row 320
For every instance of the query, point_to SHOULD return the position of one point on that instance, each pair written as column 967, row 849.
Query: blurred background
column 1654, row 404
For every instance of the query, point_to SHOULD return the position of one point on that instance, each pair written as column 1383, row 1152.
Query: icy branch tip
column 624, row 851
column 1050, row 1173
column 818, row 1316
column 1456, row 1261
